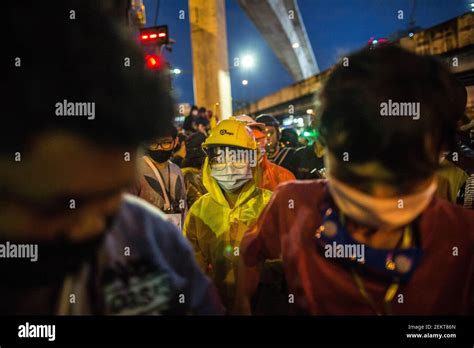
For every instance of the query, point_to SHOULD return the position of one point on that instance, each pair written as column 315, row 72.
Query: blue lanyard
column 397, row 264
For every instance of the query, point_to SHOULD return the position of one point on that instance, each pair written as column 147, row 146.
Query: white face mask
column 385, row 213
column 231, row 179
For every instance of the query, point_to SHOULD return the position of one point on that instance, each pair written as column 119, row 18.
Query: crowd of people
column 229, row 216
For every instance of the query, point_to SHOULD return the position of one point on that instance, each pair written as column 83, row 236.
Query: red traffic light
column 154, row 35
column 153, row 61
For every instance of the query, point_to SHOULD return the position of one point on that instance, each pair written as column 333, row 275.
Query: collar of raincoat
column 216, row 193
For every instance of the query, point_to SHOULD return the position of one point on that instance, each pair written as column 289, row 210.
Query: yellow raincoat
column 215, row 230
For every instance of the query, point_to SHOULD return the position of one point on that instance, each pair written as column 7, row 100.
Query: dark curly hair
column 351, row 118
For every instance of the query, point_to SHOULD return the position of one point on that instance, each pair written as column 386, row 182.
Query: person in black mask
column 71, row 240
column 161, row 181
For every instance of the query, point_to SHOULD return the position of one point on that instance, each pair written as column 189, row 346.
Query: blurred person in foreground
column 217, row 221
column 63, row 172
column 372, row 239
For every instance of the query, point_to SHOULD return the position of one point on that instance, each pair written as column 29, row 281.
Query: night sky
column 334, row 27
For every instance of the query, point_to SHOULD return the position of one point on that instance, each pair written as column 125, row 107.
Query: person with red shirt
column 372, row 239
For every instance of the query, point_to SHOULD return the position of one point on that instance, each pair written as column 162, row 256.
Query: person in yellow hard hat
column 270, row 174
column 217, row 221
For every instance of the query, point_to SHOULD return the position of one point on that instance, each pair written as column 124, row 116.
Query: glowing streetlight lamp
column 248, row 61
column 176, row 71
column 245, row 82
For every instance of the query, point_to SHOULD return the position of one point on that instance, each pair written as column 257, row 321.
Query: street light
column 247, row 61
column 176, row 71
column 245, row 82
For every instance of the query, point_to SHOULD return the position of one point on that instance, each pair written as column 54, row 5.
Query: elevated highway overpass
column 451, row 41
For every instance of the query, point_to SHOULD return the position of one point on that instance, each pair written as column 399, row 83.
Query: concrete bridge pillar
column 210, row 58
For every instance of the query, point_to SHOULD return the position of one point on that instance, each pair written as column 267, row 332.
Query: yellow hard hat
column 231, row 132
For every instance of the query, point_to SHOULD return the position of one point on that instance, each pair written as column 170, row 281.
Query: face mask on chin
column 160, row 156
column 232, row 179
column 382, row 213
